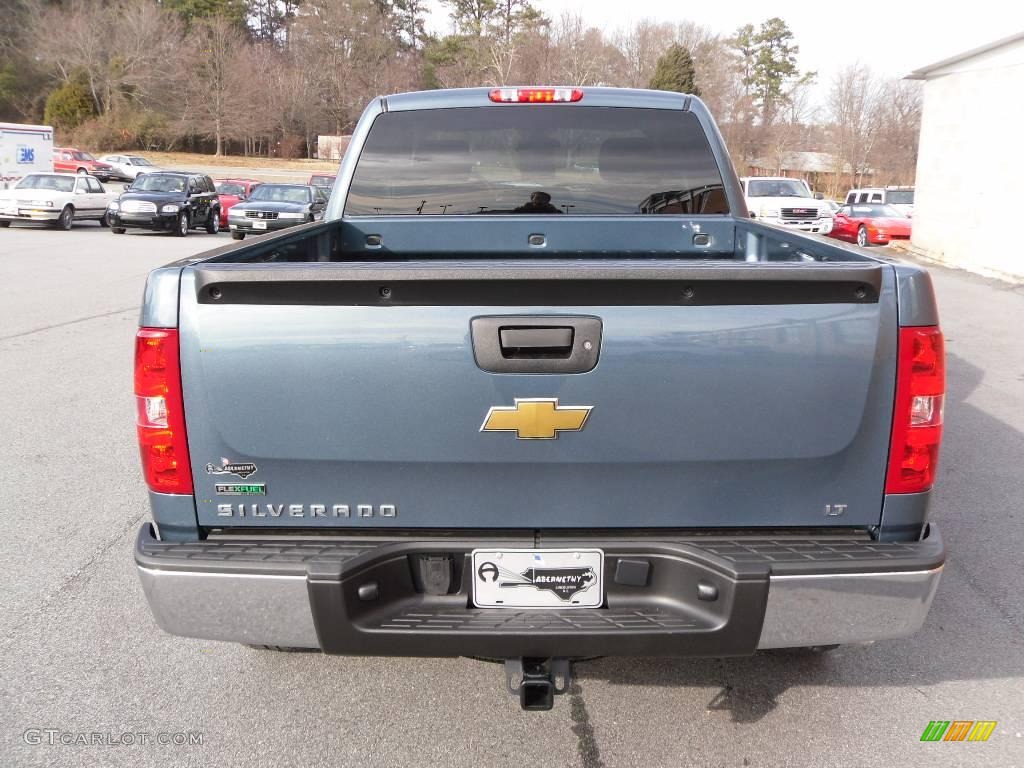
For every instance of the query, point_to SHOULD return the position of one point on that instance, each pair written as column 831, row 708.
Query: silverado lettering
column 546, row 258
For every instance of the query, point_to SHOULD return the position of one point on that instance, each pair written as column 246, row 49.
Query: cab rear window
column 545, row 159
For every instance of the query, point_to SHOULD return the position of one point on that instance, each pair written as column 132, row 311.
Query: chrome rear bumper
column 304, row 595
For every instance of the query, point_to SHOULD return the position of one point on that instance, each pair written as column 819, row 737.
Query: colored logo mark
column 958, row 730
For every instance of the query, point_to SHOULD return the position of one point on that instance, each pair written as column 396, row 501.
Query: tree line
column 265, row 77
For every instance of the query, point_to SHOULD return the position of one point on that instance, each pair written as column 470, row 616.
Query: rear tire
column 182, row 225
column 238, row 235
column 862, row 236
column 213, row 222
column 67, row 217
column 5, row 223
column 83, row 172
column 117, row 230
column 104, row 220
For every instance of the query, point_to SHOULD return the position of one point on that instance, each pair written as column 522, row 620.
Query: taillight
column 917, row 415
column 160, row 415
column 535, row 95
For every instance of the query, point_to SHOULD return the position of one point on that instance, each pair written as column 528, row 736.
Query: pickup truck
column 538, row 389
column 787, row 203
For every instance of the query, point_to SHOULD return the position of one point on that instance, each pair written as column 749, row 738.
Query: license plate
column 259, row 225
column 538, row 578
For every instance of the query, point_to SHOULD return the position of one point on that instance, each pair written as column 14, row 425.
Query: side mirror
column 819, row 195
column 752, row 214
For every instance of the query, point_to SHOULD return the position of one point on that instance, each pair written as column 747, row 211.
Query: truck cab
column 900, row 198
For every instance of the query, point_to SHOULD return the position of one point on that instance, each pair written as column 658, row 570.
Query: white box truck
column 24, row 149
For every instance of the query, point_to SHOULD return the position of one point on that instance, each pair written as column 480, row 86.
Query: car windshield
column 281, row 193
column 322, row 181
column 900, row 196
column 228, row 188
column 776, row 188
column 82, row 156
column 876, row 212
column 153, row 182
column 536, row 160
column 56, row 183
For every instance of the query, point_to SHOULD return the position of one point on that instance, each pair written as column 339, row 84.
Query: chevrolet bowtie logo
column 536, row 418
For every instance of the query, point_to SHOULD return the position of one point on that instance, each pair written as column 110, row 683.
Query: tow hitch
column 537, row 681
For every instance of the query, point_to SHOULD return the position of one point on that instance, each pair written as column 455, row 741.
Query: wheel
column 67, row 216
column 862, row 236
column 5, row 223
column 117, row 230
column 182, row 229
column 105, row 220
column 238, row 235
column 213, row 221
column 82, row 171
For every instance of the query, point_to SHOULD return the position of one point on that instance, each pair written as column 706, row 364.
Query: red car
column 231, row 191
column 324, row 180
column 870, row 224
column 71, row 160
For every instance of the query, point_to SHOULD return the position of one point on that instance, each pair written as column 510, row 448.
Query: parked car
column 56, row 199
column 167, row 201
column 277, row 206
column 231, row 192
column 900, row 198
column 71, row 160
column 786, row 202
column 322, row 180
column 130, row 167
column 870, row 224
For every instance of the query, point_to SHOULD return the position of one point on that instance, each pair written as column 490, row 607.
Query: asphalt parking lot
column 80, row 653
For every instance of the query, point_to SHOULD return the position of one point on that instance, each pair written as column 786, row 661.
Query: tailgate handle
column 536, row 342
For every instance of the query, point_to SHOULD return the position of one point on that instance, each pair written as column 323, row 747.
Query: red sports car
column 870, row 224
column 231, row 191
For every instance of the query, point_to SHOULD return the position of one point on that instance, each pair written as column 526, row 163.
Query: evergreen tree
column 675, row 72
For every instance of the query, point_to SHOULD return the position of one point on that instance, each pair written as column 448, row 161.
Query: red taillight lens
column 917, row 415
column 160, row 415
column 535, row 95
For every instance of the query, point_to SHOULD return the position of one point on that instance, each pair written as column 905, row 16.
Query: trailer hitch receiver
column 537, row 681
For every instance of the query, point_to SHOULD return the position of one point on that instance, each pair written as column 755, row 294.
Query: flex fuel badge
column 228, row 467
column 241, row 489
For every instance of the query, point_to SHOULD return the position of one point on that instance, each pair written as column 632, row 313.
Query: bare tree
column 854, row 105
column 217, row 80
column 126, row 51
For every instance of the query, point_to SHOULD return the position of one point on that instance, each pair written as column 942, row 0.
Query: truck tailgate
column 349, row 395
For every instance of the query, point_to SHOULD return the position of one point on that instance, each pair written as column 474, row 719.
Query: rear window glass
column 536, row 160
column 900, row 196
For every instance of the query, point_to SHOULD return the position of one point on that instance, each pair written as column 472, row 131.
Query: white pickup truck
column 787, row 202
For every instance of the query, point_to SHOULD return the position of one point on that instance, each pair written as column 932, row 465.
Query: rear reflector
column 160, row 415
column 535, row 95
column 917, row 415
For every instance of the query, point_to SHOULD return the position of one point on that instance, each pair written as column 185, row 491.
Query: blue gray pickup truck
column 537, row 389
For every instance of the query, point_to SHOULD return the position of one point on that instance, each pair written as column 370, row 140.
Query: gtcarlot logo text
column 56, row 737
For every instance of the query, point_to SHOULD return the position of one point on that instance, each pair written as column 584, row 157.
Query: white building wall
column 969, row 203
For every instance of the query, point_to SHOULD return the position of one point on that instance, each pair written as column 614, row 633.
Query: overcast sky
column 893, row 36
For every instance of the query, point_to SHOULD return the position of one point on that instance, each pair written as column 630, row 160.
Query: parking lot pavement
column 79, row 651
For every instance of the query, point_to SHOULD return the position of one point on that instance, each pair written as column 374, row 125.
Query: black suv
column 167, row 202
